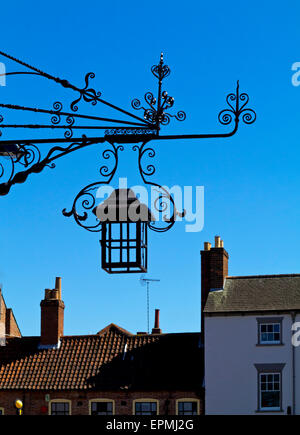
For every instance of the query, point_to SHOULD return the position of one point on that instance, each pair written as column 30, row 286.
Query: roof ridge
column 265, row 276
column 113, row 326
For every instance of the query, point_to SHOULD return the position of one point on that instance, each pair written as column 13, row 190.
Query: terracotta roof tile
column 166, row 361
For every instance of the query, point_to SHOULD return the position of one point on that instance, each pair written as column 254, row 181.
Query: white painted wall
column 231, row 351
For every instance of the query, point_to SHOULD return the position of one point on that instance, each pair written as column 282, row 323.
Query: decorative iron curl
column 150, row 152
column 56, row 119
column 161, row 71
column 237, row 109
column 164, row 201
column 161, row 205
column 88, row 94
column 25, row 155
column 29, row 156
column 158, row 115
column 85, row 200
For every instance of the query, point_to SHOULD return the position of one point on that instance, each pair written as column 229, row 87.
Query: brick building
column 8, row 324
column 111, row 372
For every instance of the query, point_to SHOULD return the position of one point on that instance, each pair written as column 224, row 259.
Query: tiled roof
column 104, row 362
column 256, row 293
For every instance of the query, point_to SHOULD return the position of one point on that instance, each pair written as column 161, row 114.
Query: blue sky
column 251, row 180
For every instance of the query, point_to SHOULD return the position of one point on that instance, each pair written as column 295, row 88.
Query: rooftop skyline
column 251, row 181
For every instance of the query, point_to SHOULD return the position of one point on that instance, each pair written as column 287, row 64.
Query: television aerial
column 145, row 282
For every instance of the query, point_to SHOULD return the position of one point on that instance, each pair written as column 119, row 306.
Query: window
column 269, row 331
column 269, row 386
column 269, row 390
column 101, row 407
column 1, row 411
column 145, row 408
column 187, row 407
column 60, row 407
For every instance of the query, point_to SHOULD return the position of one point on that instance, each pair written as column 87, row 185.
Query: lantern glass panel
column 124, row 247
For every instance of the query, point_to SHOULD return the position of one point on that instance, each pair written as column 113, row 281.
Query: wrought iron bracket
column 22, row 157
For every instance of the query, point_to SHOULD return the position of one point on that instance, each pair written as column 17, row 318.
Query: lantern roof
column 123, row 206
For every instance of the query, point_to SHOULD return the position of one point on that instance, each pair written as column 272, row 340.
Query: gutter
column 293, row 316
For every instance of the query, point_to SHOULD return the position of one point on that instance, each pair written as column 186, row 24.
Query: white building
column 251, row 365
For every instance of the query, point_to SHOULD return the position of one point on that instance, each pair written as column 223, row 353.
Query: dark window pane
column 270, row 332
column 270, row 399
column 59, row 408
column 187, row 408
column 145, row 408
column 102, row 408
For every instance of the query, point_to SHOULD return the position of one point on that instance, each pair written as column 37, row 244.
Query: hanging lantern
column 124, row 220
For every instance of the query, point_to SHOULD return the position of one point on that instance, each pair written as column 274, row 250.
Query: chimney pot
column 217, row 242
column 156, row 329
column 58, row 286
column 207, row 246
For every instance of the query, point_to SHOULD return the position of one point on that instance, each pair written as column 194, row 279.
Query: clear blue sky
column 251, row 180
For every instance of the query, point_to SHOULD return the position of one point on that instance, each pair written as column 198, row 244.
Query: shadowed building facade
column 111, row 372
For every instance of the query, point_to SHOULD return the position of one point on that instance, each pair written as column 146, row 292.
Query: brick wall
column 33, row 401
column 2, row 316
column 8, row 324
column 11, row 325
column 214, row 269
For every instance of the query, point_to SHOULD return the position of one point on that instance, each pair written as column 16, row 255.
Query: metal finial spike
column 161, row 58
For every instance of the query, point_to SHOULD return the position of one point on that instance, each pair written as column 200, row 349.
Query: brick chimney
column 214, row 269
column 156, row 329
column 52, row 317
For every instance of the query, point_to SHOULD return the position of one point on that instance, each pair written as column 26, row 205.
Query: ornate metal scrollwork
column 164, row 202
column 156, row 112
column 226, row 116
column 128, row 131
column 88, row 94
column 29, row 157
column 56, row 119
column 85, row 200
column 26, row 155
